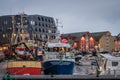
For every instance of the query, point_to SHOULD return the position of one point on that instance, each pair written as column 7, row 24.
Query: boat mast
column 58, row 31
column 13, row 32
column 22, row 33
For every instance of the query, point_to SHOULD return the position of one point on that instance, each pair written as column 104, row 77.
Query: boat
column 108, row 64
column 58, row 59
column 21, row 50
column 24, row 67
column 22, row 55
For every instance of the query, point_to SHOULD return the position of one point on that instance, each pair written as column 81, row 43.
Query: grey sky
column 74, row 15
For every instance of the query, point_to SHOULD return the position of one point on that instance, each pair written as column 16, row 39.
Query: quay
column 61, row 77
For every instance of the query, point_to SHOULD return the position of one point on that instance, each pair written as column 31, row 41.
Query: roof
column 77, row 35
column 98, row 35
column 58, row 45
column 118, row 37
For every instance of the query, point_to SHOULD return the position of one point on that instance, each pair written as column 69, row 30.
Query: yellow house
column 104, row 41
column 117, row 43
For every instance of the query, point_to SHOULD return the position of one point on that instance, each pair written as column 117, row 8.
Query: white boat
column 109, row 65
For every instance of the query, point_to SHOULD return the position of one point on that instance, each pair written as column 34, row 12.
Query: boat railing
column 58, row 55
column 112, row 72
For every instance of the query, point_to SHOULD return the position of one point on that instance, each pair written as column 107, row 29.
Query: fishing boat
column 108, row 64
column 58, row 59
column 24, row 67
column 22, row 60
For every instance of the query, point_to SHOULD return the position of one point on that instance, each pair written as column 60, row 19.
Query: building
column 38, row 28
column 117, row 43
column 81, row 41
column 104, row 41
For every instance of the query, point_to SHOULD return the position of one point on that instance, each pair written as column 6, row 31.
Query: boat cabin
column 109, row 64
column 58, row 50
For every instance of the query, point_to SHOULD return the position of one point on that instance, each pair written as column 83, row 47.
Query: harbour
column 29, row 54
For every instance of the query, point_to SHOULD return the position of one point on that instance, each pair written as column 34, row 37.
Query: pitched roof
column 98, row 35
column 77, row 35
column 118, row 37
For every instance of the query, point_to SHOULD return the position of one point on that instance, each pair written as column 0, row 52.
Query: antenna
column 57, row 23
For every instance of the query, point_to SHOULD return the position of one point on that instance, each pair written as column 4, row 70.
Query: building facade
column 104, row 41
column 117, row 43
column 92, row 42
column 38, row 27
column 81, row 41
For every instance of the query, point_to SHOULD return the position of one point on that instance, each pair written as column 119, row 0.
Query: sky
column 73, row 15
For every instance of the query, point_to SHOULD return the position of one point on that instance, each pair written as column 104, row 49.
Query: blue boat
column 59, row 59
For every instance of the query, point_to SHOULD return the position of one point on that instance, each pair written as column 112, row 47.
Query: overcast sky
column 74, row 15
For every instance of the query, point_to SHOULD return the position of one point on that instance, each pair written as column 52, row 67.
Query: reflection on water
column 84, row 70
column 3, row 67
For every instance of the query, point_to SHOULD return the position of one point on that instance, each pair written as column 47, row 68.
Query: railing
column 112, row 72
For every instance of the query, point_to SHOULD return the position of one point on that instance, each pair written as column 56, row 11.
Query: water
column 84, row 70
column 3, row 67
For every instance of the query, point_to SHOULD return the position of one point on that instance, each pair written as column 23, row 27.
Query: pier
column 61, row 77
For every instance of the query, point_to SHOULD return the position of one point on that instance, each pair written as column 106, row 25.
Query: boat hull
column 24, row 67
column 58, row 67
column 24, row 71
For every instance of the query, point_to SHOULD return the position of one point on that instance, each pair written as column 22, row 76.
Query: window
column 39, row 30
column 39, row 18
column 3, row 35
column 5, row 22
column 1, row 30
column 55, row 28
column 32, row 22
column 49, row 20
column 114, row 63
column 53, row 31
column 57, row 49
column 36, row 29
column 49, row 25
column 42, row 19
column 39, row 24
column 52, row 20
column 45, row 19
column 43, row 24
column 43, row 30
column 35, row 23
column 46, row 31
column 46, row 25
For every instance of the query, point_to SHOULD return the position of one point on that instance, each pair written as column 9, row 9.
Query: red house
column 81, row 41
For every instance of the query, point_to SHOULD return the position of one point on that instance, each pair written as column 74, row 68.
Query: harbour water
column 80, row 72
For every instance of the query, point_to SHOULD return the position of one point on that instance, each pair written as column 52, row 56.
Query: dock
column 61, row 77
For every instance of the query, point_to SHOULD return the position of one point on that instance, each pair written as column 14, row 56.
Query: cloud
column 76, row 16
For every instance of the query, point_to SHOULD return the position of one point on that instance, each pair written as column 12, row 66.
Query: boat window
column 50, row 49
column 67, row 49
column 114, row 63
column 57, row 49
